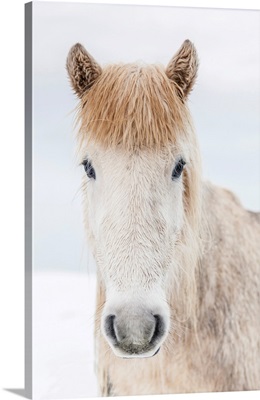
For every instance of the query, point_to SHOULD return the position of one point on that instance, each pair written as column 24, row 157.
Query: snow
column 63, row 335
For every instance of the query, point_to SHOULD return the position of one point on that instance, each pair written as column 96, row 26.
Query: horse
column 178, row 258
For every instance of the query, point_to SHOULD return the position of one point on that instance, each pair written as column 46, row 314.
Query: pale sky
column 225, row 103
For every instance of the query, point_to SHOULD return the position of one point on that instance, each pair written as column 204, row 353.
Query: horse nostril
column 159, row 329
column 109, row 327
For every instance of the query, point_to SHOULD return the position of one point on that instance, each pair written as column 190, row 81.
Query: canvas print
column 146, row 223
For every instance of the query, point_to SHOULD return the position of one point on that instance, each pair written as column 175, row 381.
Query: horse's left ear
column 183, row 68
column 82, row 68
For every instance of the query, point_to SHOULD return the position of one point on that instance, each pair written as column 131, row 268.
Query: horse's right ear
column 183, row 68
column 83, row 70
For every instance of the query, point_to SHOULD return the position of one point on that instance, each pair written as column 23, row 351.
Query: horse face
column 135, row 206
column 134, row 215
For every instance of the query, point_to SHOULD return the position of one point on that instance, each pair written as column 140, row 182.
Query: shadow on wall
column 21, row 392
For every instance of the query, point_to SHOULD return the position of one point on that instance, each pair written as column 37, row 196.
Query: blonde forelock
column 133, row 106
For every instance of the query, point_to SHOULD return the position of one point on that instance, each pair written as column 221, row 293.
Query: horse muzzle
column 134, row 334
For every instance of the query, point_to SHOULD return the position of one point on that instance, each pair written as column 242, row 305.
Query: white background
column 11, row 218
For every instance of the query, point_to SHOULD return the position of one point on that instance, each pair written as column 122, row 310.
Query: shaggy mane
column 134, row 106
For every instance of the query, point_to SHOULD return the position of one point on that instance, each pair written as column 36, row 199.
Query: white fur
column 134, row 214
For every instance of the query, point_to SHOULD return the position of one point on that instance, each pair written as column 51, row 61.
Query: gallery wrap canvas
column 142, row 200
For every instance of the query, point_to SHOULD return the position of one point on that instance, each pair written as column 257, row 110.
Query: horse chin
column 122, row 354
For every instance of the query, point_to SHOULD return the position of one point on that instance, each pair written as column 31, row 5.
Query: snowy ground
column 63, row 345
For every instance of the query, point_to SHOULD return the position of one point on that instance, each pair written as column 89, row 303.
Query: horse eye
column 89, row 169
column 177, row 171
